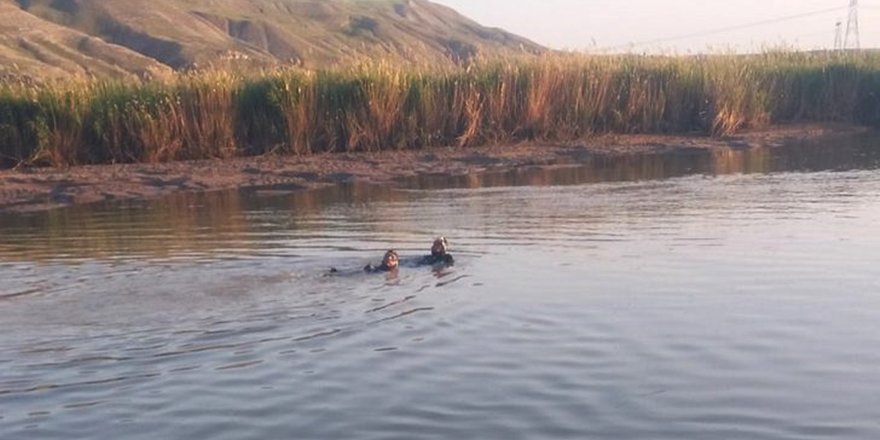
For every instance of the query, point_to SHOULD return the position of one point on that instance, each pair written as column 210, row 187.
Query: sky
column 679, row 26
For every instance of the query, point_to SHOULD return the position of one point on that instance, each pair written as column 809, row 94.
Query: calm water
column 694, row 296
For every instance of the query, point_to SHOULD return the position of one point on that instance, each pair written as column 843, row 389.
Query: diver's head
column 440, row 247
column 391, row 260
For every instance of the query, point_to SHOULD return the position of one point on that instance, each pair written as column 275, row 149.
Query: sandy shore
column 48, row 188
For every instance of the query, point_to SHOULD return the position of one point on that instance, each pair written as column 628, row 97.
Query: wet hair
column 440, row 246
column 391, row 255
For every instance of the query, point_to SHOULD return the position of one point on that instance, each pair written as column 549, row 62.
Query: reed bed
column 384, row 107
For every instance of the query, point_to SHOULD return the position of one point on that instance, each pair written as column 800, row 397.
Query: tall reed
column 384, row 107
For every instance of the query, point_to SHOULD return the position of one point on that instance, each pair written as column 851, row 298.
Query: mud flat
column 40, row 189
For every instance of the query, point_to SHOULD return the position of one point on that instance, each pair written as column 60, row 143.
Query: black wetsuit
column 377, row 269
column 382, row 268
column 428, row 260
column 436, row 260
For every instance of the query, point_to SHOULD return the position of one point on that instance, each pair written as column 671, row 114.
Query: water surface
column 725, row 295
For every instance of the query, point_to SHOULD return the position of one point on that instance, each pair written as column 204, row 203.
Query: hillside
column 112, row 38
column 32, row 46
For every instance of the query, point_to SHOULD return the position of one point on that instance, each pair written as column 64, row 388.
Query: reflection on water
column 857, row 153
column 694, row 295
column 216, row 222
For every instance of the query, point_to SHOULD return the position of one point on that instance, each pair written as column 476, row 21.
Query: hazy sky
column 616, row 24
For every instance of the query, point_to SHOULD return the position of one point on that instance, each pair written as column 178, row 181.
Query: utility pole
column 838, row 36
column 851, row 40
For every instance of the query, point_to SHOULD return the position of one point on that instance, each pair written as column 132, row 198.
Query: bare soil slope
column 32, row 46
column 118, row 37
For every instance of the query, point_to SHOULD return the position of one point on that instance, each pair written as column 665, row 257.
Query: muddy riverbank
column 47, row 188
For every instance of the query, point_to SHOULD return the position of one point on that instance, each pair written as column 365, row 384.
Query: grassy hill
column 111, row 38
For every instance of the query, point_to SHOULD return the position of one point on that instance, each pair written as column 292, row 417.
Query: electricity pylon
column 838, row 35
column 851, row 40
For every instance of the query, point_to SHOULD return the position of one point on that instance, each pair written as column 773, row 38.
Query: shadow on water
column 234, row 222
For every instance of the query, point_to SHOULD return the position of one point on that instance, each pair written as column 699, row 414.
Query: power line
column 726, row 29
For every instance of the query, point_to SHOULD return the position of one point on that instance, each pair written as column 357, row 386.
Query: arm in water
column 390, row 263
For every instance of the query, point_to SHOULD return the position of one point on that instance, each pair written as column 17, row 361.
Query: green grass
column 383, row 107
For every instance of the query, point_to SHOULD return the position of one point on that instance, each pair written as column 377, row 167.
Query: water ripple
column 618, row 300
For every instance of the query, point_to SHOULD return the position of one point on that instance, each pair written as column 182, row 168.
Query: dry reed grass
column 384, row 107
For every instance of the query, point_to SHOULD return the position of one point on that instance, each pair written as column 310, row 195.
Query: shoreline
column 42, row 189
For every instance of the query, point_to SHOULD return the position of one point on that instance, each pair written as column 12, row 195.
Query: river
column 696, row 295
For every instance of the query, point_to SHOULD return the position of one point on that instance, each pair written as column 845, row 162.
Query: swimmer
column 390, row 263
column 439, row 254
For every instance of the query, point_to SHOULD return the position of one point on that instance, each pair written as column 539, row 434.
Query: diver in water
column 439, row 254
column 390, row 263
